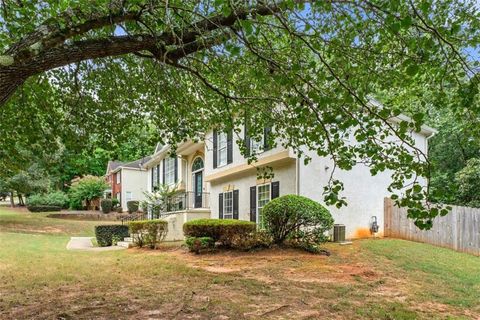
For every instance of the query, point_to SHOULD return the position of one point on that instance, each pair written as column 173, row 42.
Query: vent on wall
column 339, row 233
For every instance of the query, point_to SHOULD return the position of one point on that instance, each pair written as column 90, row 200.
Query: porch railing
column 182, row 201
column 134, row 217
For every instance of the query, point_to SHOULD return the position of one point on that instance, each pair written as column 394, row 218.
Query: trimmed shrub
column 222, row 230
column 200, row 244
column 57, row 199
column 119, row 209
column 43, row 208
column 148, row 232
column 252, row 241
column 115, row 203
column 106, row 205
column 106, row 234
column 132, row 206
column 296, row 219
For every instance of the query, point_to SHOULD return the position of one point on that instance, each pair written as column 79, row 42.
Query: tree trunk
column 20, row 200
column 12, row 200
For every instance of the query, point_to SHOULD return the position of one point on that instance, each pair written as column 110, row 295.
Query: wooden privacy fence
column 458, row 230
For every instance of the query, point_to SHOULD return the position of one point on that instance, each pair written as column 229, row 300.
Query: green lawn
column 373, row 279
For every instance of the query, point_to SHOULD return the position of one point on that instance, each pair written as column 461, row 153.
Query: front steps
column 126, row 243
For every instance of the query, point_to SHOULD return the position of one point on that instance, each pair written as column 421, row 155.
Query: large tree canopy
column 69, row 69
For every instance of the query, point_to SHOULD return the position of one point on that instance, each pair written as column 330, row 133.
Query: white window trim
column 127, row 198
column 260, row 145
column 222, row 149
column 258, row 200
column 225, row 213
column 169, row 171
column 118, row 177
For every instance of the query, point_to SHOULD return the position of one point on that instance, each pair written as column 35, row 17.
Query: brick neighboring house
column 128, row 180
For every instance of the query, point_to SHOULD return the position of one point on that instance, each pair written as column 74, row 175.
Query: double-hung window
column 222, row 149
column 263, row 197
column 257, row 145
column 228, row 205
column 118, row 177
column 169, row 171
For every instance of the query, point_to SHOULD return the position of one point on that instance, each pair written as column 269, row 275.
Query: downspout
column 297, row 176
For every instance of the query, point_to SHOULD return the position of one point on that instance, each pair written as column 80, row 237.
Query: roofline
column 424, row 129
column 157, row 155
column 128, row 168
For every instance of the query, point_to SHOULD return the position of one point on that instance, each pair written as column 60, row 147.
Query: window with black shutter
column 163, row 171
column 266, row 136
column 275, row 189
column 220, row 206
column 247, row 141
column 230, row 146
column 176, row 169
column 253, row 204
column 235, row 204
column 215, row 149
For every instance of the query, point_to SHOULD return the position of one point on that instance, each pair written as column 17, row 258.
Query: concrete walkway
column 85, row 243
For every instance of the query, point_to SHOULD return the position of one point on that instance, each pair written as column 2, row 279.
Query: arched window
column 197, row 164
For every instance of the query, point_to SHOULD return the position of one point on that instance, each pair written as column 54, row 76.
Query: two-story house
column 218, row 182
column 128, row 180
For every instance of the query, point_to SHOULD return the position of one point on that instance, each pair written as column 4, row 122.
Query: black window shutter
column 247, row 141
column 215, row 149
column 163, row 171
column 230, row 146
column 253, row 204
column 275, row 191
column 220, row 206
column 153, row 178
column 266, row 137
column 176, row 169
column 235, row 204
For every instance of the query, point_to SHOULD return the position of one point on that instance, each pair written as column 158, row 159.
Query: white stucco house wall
column 226, row 186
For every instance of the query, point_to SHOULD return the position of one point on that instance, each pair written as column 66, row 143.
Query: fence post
column 387, row 202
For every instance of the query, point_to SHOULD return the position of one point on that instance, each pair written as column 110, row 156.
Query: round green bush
column 297, row 218
column 106, row 234
column 148, row 232
column 106, row 205
column 201, row 244
column 223, row 230
column 132, row 206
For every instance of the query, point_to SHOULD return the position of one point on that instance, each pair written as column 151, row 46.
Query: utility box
column 338, row 233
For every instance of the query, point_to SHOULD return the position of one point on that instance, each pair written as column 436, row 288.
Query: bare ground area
column 371, row 279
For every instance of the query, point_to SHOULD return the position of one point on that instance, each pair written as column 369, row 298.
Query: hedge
column 106, row 205
column 107, row 234
column 148, row 232
column 56, row 199
column 43, row 208
column 132, row 206
column 223, row 230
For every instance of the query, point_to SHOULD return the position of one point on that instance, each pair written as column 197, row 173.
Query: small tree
column 86, row 189
column 158, row 202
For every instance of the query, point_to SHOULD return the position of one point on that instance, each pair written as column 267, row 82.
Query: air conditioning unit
column 338, row 233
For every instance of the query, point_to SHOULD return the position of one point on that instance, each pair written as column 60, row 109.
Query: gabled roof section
column 158, row 147
column 112, row 165
column 137, row 164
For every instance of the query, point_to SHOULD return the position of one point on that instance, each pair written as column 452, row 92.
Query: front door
column 198, row 189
